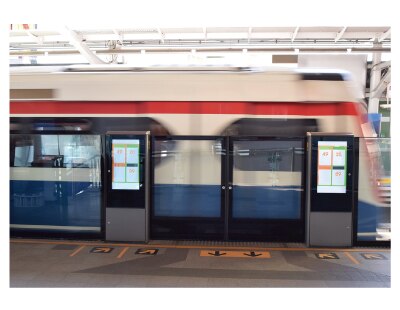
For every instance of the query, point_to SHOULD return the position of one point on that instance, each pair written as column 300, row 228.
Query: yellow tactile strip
column 219, row 247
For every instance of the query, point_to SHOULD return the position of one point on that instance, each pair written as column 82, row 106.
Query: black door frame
column 226, row 192
column 298, row 224
column 177, row 224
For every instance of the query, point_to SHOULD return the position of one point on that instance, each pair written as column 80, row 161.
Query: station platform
column 55, row 263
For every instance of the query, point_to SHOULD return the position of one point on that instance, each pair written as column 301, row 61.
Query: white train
column 81, row 103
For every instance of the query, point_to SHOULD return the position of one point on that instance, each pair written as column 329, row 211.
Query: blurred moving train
column 58, row 117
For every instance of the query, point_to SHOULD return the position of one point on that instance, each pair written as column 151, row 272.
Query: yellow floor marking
column 77, row 251
column 123, row 252
column 352, row 258
column 221, row 247
column 242, row 254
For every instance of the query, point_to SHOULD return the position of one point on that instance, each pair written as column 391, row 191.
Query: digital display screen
column 125, row 164
column 332, row 166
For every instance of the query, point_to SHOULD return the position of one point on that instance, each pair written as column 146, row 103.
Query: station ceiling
column 32, row 40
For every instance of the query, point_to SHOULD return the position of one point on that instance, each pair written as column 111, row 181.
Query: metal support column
column 373, row 104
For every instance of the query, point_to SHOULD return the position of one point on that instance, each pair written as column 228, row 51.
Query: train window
column 44, row 197
column 50, row 145
column 68, row 151
column 78, row 150
column 269, row 155
column 23, row 156
column 272, row 127
column 78, row 125
column 21, row 150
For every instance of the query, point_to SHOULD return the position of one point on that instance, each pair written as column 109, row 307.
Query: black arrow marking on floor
column 159, row 265
column 101, row 250
column 147, row 251
column 252, row 254
column 216, row 253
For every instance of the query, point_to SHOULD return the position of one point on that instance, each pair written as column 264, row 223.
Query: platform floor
column 53, row 263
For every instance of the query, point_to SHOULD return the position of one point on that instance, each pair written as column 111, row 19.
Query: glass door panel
column 187, row 192
column 55, row 184
column 266, row 189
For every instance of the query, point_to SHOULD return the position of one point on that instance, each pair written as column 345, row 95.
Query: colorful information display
column 125, row 164
column 332, row 166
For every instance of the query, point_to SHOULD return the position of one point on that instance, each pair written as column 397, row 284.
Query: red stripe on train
column 149, row 107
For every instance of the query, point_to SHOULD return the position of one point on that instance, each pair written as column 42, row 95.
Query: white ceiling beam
column 203, row 48
column 209, row 35
column 161, row 34
column 164, row 50
column 59, row 38
column 127, row 37
column 249, row 34
column 333, row 35
column 295, row 33
column 340, row 34
column 118, row 34
column 288, row 37
column 384, row 35
column 76, row 40
column 37, row 39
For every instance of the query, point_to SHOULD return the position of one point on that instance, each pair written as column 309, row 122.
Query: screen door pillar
column 127, row 186
column 329, row 189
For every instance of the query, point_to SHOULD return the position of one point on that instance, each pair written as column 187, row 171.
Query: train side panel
column 220, row 104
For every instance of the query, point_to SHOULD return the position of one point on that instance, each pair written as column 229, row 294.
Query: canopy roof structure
column 31, row 40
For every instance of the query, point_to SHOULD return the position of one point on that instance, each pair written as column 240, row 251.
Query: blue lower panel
column 248, row 202
column 55, row 203
column 262, row 202
column 173, row 200
column 369, row 219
